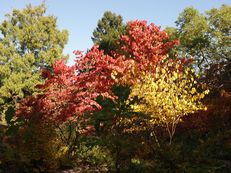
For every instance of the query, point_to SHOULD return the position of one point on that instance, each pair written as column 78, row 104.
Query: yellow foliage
column 168, row 95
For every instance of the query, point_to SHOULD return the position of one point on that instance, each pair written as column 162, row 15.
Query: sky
column 80, row 17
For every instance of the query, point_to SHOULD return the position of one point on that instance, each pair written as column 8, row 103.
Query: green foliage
column 109, row 29
column 29, row 41
column 99, row 158
column 10, row 113
column 127, row 132
column 205, row 37
column 220, row 27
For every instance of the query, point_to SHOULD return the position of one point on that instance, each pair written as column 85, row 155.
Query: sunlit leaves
column 164, row 89
column 29, row 42
column 71, row 92
column 168, row 94
column 146, row 43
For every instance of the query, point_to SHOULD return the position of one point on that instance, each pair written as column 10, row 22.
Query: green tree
column 220, row 32
column 192, row 33
column 29, row 41
column 108, row 31
column 205, row 37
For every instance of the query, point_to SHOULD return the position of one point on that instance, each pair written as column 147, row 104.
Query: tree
column 218, row 76
column 145, row 45
column 192, row 33
column 69, row 95
column 168, row 95
column 70, row 92
column 108, row 31
column 220, row 29
column 29, row 42
column 205, row 38
column 92, row 91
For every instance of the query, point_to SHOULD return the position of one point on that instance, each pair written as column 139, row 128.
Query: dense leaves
column 168, row 95
column 29, row 41
column 70, row 92
column 117, row 108
column 108, row 31
column 204, row 36
column 146, row 44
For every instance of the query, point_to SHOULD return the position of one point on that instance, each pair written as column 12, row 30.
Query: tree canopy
column 109, row 28
column 30, row 41
column 118, row 106
column 205, row 37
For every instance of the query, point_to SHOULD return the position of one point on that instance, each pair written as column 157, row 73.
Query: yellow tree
column 168, row 95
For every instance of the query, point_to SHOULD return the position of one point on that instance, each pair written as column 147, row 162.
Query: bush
column 35, row 148
column 96, row 157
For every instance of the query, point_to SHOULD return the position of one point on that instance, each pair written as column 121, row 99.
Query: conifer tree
column 29, row 42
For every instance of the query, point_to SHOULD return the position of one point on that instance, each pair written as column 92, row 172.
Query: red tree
column 70, row 92
column 146, row 44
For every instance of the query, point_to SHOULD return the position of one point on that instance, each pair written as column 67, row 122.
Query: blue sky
column 80, row 17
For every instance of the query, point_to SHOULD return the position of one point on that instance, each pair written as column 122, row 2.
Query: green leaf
column 9, row 114
column 12, row 130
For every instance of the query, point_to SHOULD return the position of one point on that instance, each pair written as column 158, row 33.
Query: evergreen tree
column 29, row 41
column 108, row 31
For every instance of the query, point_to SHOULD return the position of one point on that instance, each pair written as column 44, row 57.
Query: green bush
column 97, row 157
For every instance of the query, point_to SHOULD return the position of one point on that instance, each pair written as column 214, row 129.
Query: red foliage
column 146, row 44
column 216, row 117
column 70, row 92
column 95, row 70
